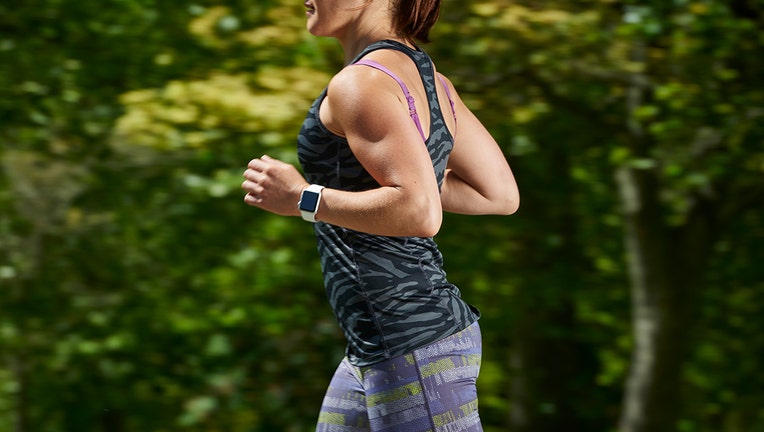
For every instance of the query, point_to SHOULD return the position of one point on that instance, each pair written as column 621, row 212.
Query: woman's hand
column 273, row 185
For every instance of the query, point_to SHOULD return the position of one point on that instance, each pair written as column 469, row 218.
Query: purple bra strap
column 409, row 98
column 448, row 93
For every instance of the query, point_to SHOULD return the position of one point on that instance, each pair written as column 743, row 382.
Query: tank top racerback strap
column 407, row 93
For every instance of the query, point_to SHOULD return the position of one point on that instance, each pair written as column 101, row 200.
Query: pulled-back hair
column 415, row 18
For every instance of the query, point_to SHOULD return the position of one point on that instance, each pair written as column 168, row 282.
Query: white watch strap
column 308, row 215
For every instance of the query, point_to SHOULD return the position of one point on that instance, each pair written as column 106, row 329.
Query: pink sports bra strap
column 448, row 93
column 409, row 98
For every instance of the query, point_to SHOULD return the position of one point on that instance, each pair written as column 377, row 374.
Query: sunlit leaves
column 133, row 274
column 197, row 113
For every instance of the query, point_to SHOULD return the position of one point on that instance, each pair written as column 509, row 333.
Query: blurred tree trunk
column 652, row 388
column 666, row 267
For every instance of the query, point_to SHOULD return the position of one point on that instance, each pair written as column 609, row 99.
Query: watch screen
column 308, row 201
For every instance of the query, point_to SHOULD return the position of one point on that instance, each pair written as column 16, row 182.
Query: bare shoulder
column 355, row 84
column 358, row 100
column 355, row 80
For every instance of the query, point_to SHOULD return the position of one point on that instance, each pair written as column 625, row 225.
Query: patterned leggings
column 429, row 390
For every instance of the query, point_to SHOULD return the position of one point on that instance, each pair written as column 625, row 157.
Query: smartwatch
column 309, row 201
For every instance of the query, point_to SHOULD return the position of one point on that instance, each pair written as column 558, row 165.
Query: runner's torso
column 389, row 294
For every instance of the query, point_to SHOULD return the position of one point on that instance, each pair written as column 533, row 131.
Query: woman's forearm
column 458, row 196
column 388, row 211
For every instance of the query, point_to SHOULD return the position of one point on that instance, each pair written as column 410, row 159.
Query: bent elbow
column 427, row 220
column 427, row 223
column 512, row 199
column 509, row 204
column 430, row 228
column 502, row 199
column 513, row 205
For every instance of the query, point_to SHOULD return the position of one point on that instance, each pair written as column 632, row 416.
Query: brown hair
column 415, row 18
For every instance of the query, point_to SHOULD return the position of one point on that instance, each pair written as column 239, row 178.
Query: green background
column 139, row 293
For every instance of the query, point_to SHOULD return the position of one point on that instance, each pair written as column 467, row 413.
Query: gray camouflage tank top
column 389, row 294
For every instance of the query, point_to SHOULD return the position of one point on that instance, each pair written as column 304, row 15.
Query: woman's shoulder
column 356, row 82
column 359, row 96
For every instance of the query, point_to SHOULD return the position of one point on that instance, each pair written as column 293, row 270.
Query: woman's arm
column 478, row 179
column 368, row 109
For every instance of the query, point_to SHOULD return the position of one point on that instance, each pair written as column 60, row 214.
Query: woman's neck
column 371, row 25
column 354, row 47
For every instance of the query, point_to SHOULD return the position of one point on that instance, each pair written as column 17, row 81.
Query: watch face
column 309, row 201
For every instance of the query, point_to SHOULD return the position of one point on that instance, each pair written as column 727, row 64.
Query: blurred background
column 139, row 293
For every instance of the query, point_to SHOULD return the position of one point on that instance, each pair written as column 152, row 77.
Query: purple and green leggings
column 429, row 390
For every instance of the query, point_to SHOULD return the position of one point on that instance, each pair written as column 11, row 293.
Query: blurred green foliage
column 139, row 293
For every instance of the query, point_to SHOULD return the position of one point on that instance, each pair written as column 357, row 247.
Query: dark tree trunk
column 666, row 267
column 652, row 390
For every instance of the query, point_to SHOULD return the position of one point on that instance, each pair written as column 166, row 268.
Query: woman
column 379, row 175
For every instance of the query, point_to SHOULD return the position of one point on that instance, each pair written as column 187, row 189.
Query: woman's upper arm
column 369, row 109
column 478, row 160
